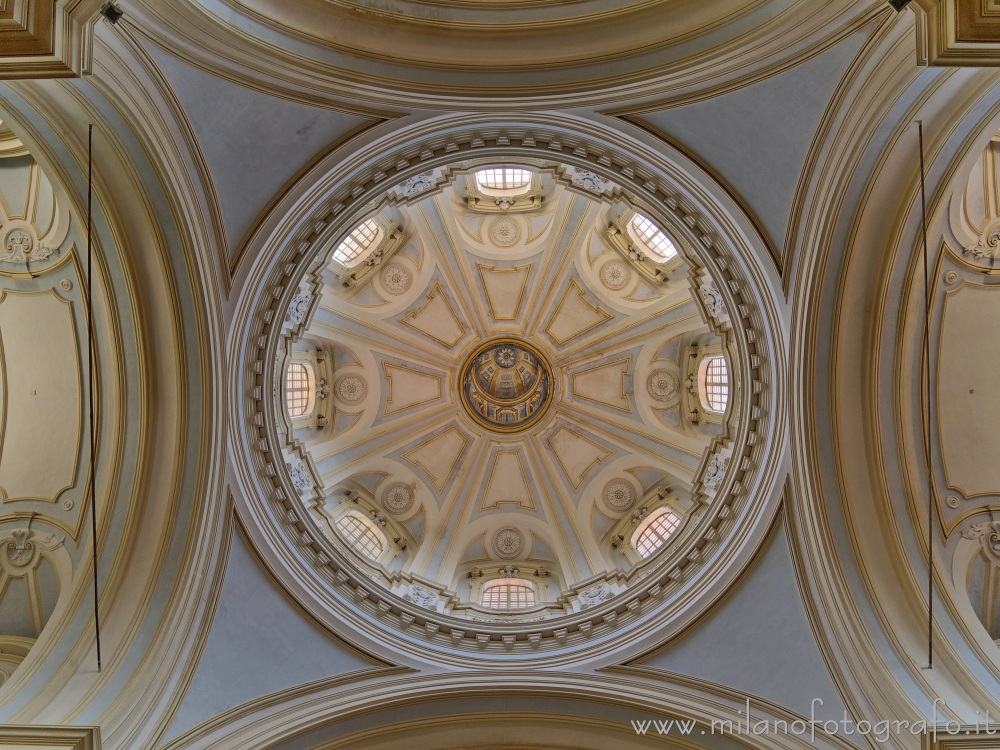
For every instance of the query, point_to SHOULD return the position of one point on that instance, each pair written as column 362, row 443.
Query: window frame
column 651, row 526
column 705, row 396
column 643, row 242
column 309, row 389
column 360, row 521
column 531, row 600
column 514, row 190
column 358, row 257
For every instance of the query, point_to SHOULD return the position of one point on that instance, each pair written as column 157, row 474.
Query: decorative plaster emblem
column 395, row 278
column 505, row 356
column 19, row 247
column 374, row 258
column 977, row 530
column 508, row 542
column 298, row 307
column 506, row 385
column 594, row 595
column 322, row 388
column 397, row 497
column 67, row 504
column 351, row 389
column 301, row 478
column 952, row 501
column 988, row 532
column 66, row 285
column 615, row 274
column 504, row 202
column 504, row 231
column 712, row 298
column 20, row 551
column 715, row 471
column 24, row 545
column 619, row 494
column 509, row 571
column 590, row 181
column 988, row 245
column 418, row 184
column 950, row 277
column 422, row 596
column 663, row 385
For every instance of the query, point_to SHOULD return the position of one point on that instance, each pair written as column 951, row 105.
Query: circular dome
column 506, row 385
column 513, row 531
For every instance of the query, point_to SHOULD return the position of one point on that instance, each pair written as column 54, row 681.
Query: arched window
column 361, row 536
column 713, row 382
column 508, row 594
column 654, row 531
column 651, row 239
column 298, row 389
column 509, row 180
column 359, row 243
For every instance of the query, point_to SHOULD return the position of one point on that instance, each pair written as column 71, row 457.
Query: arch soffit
column 153, row 359
column 282, row 64
column 891, row 189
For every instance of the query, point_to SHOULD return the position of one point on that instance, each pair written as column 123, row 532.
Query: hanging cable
column 927, row 404
column 90, row 377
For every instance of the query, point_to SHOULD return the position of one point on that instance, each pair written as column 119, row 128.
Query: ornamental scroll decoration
column 22, row 551
column 987, row 247
column 593, row 595
column 422, row 596
column 712, row 298
column 299, row 306
column 988, row 532
column 300, row 475
column 23, row 546
column 590, row 181
column 418, row 184
column 715, row 471
column 20, row 247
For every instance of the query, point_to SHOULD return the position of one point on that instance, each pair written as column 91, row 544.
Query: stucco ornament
column 715, row 471
column 504, row 231
column 663, row 385
column 595, row 594
column 395, row 278
column 301, row 478
column 299, row 306
column 351, row 389
column 615, row 275
column 418, row 184
column 590, row 181
column 712, row 298
column 20, row 247
column 508, row 542
column 619, row 494
column 397, row 497
column 988, row 245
